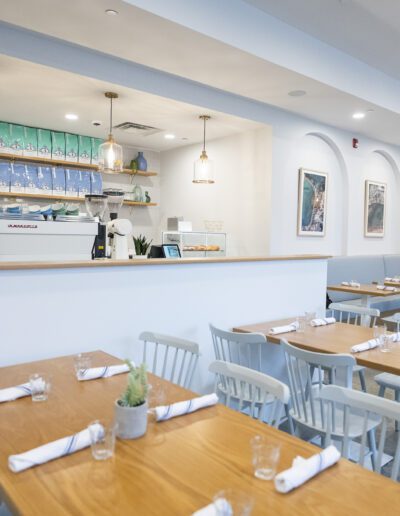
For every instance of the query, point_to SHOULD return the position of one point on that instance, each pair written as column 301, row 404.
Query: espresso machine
column 96, row 205
column 118, row 230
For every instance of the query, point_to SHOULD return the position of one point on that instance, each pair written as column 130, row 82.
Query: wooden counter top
column 9, row 266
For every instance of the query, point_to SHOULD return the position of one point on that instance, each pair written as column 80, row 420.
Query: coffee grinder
column 96, row 205
column 118, row 230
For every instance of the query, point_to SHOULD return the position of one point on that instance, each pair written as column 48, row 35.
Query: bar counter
column 10, row 266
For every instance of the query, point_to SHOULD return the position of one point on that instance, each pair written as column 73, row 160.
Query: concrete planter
column 132, row 421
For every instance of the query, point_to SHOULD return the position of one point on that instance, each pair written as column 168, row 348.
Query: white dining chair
column 358, row 315
column 171, row 358
column 261, row 395
column 342, row 406
column 392, row 382
column 308, row 372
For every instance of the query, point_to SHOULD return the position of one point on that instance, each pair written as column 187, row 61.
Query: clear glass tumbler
column 233, row 502
column 40, row 385
column 265, row 457
column 102, row 439
column 385, row 343
column 301, row 321
column 82, row 361
column 309, row 316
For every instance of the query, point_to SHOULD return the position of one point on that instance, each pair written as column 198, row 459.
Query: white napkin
column 323, row 322
column 165, row 412
column 304, row 469
column 394, row 280
column 12, row 393
column 373, row 343
column 385, row 287
column 208, row 510
column 50, row 451
column 284, row 329
column 101, row 372
column 351, row 284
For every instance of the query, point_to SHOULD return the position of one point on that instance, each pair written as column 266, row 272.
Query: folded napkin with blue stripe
column 304, row 469
column 13, row 393
column 284, row 329
column 373, row 343
column 50, row 451
column 102, row 372
column 386, row 288
column 185, row 407
column 353, row 284
column 323, row 321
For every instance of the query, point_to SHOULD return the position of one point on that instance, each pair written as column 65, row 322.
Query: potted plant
column 141, row 245
column 131, row 408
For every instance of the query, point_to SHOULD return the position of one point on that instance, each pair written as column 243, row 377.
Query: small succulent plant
column 136, row 390
column 141, row 245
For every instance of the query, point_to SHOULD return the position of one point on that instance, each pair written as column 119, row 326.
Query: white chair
column 389, row 381
column 341, row 405
column 169, row 357
column 264, row 396
column 358, row 315
column 308, row 372
column 244, row 349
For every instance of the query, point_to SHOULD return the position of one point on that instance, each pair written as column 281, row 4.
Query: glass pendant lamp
column 110, row 153
column 204, row 166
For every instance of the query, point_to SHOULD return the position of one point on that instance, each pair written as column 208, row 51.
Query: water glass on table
column 233, row 502
column 309, row 316
column 301, row 321
column 81, row 362
column 265, row 457
column 40, row 385
column 102, row 439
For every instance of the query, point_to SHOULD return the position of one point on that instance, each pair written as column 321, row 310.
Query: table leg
column 366, row 302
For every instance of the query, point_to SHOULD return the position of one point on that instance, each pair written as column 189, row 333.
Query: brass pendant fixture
column 110, row 153
column 204, row 167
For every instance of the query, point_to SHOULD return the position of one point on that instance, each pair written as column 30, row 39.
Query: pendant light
column 110, row 153
column 204, row 167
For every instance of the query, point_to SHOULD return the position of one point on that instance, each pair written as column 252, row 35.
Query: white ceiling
column 366, row 29
column 40, row 96
column 145, row 38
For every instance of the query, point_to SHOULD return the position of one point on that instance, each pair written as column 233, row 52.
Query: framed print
column 311, row 215
column 375, row 208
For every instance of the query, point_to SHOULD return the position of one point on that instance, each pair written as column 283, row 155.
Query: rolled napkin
column 50, row 451
column 373, row 343
column 393, row 280
column 13, row 393
column 101, row 372
column 323, row 321
column 304, row 469
column 284, row 329
column 208, row 510
column 351, row 284
column 165, row 412
column 385, row 287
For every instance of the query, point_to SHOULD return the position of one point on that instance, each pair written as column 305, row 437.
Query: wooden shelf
column 69, row 164
column 61, row 198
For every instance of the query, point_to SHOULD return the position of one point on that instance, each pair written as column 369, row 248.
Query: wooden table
column 333, row 338
column 393, row 283
column 365, row 290
column 174, row 469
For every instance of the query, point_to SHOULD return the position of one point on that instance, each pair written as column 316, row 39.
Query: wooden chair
column 264, row 397
column 169, row 357
column 358, row 315
column 342, row 405
column 308, row 373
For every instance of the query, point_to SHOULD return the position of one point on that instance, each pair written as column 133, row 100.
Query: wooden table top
column 333, row 338
column 175, row 469
column 365, row 290
column 393, row 283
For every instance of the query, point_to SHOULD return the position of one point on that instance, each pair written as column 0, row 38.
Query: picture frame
column 312, row 203
column 374, row 209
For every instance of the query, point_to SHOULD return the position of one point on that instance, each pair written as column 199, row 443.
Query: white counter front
column 52, row 311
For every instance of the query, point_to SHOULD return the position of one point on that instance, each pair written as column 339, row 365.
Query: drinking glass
column 102, row 439
column 40, row 386
column 302, row 324
column 232, row 502
column 385, row 343
column 309, row 316
column 379, row 331
column 265, row 457
column 82, row 361
column 156, row 395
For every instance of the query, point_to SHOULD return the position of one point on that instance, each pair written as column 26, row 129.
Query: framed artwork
column 311, row 214
column 375, row 207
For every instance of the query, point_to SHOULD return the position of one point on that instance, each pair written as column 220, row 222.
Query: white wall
column 240, row 197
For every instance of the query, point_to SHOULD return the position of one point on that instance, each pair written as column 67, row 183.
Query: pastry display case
column 197, row 244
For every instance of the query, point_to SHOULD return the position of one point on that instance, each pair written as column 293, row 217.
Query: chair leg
column 381, row 392
column 361, row 374
column 290, row 420
column 397, row 398
column 372, row 447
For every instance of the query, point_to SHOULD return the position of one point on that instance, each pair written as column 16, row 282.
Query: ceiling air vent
column 137, row 129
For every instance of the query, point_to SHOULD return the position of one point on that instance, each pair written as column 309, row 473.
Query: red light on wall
column 355, row 143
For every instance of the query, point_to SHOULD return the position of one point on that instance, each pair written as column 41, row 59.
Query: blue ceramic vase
column 141, row 162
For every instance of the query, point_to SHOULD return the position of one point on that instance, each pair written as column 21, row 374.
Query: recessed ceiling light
column 111, row 12
column 71, row 116
column 297, row 93
column 169, row 136
column 359, row 115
